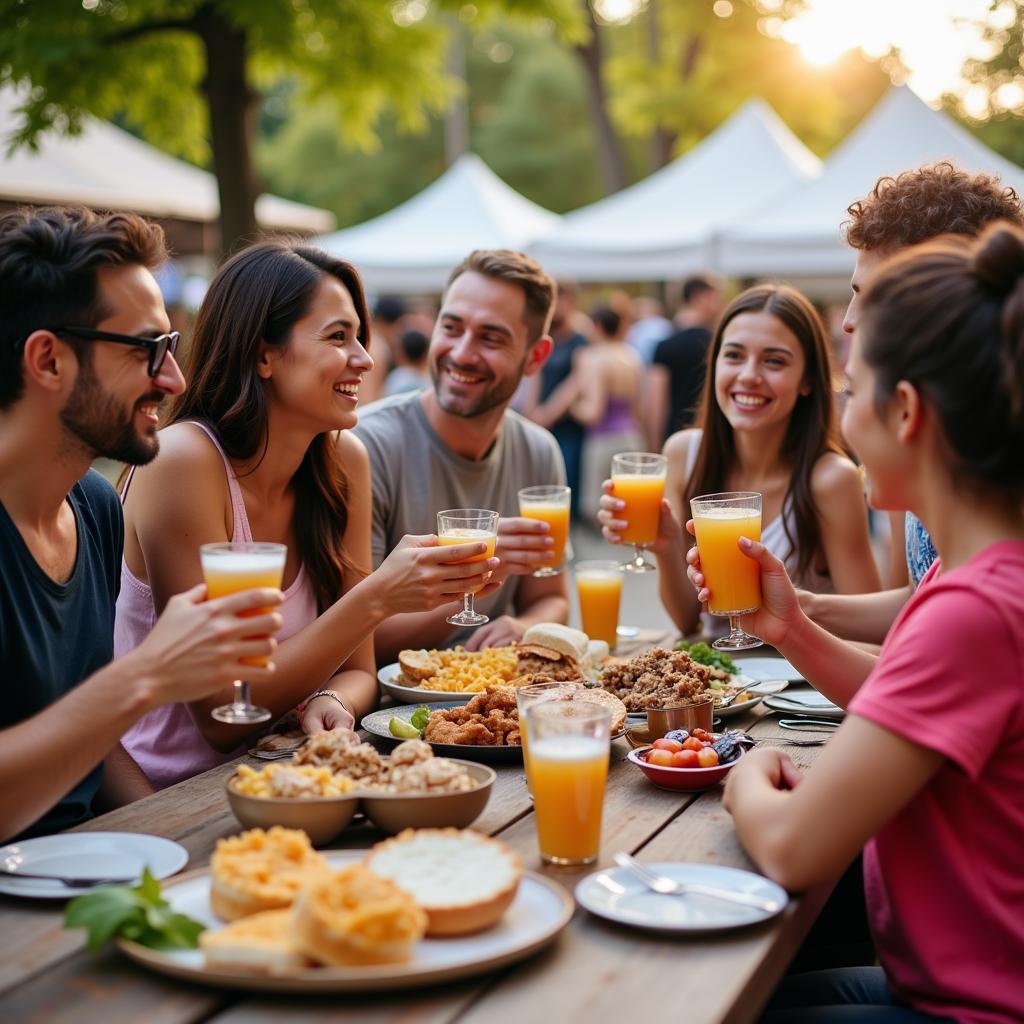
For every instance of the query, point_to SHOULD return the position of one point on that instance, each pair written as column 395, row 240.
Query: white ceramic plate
column 807, row 703
column 86, row 855
column 619, row 896
column 388, row 675
column 539, row 912
column 761, row 688
column 769, row 668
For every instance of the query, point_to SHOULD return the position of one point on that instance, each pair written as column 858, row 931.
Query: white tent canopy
column 664, row 225
column 801, row 234
column 413, row 247
column 108, row 168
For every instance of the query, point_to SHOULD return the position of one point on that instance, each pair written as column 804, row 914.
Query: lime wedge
column 403, row 730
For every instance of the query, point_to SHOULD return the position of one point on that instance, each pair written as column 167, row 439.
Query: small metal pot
column 689, row 717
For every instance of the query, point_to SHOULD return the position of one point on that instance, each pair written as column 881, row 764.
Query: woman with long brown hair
column 259, row 448
column 766, row 423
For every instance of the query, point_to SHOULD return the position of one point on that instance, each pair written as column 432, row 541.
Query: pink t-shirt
column 945, row 878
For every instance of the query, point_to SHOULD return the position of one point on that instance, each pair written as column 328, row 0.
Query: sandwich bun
column 572, row 643
column 463, row 880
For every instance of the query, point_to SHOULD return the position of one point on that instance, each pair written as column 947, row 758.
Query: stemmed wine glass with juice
column 230, row 567
column 639, row 481
column 733, row 578
column 459, row 526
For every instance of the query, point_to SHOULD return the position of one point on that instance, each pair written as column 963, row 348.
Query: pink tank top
column 166, row 744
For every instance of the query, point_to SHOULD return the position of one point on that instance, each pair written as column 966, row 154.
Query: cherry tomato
column 661, row 758
column 702, row 734
column 692, row 743
column 666, row 744
column 685, row 759
column 708, row 757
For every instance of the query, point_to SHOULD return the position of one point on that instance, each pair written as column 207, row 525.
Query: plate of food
column 548, row 648
column 485, row 728
column 661, row 678
column 272, row 914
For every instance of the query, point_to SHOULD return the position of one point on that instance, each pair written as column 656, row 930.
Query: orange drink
column 567, row 768
column 230, row 567
column 466, row 536
column 733, row 578
column 642, row 495
column 458, row 526
column 638, row 479
column 599, row 585
column 549, row 505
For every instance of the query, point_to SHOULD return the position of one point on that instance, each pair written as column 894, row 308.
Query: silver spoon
column 670, row 887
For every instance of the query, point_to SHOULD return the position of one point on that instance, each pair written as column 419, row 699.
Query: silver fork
column 71, row 883
column 670, row 887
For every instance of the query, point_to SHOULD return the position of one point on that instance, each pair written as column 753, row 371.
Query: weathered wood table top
column 595, row 971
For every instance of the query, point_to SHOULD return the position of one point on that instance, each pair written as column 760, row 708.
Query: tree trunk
column 613, row 165
column 662, row 140
column 231, row 105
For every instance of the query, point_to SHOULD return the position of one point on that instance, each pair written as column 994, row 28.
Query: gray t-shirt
column 416, row 475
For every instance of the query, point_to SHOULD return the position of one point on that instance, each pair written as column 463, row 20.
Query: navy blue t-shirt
column 54, row 635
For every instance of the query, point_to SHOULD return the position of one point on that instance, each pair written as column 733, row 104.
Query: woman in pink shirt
column 927, row 772
column 259, row 448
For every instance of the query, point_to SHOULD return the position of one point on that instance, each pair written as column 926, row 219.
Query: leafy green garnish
column 706, row 655
column 420, row 717
column 138, row 913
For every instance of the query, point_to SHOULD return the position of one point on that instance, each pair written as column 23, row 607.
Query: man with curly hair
column 913, row 207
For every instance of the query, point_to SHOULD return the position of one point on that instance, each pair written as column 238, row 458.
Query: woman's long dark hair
column 812, row 425
column 258, row 296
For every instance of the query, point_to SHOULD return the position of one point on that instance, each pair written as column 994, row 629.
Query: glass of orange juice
column 733, row 578
column 567, row 767
column 639, row 479
column 549, row 504
column 230, row 567
column 531, row 694
column 599, row 586
column 458, row 526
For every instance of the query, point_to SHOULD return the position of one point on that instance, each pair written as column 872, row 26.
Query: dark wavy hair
column 948, row 317
column 258, row 296
column 812, row 427
column 934, row 200
column 48, row 264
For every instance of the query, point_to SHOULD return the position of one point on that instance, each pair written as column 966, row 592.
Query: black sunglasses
column 158, row 347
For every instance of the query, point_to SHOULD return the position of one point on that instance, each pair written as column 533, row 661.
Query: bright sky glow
column 934, row 38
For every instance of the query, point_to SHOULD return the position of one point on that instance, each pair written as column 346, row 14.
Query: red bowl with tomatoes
column 684, row 770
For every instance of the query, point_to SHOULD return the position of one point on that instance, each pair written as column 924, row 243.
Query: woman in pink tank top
column 926, row 773
column 259, row 447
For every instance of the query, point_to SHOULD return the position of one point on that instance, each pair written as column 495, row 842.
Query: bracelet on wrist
column 325, row 693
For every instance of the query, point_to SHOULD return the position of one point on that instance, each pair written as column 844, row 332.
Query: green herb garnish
column 706, row 655
column 420, row 717
column 138, row 913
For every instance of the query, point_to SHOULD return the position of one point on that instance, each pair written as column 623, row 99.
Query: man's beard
column 500, row 392
column 104, row 426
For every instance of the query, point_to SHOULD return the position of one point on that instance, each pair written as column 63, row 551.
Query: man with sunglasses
column 86, row 360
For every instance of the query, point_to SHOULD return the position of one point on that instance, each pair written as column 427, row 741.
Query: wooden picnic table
column 594, row 971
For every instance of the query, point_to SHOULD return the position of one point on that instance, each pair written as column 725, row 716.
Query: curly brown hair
column 935, row 200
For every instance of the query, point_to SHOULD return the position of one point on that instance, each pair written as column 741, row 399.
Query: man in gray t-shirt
column 458, row 445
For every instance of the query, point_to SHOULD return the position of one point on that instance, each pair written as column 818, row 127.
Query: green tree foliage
column 184, row 73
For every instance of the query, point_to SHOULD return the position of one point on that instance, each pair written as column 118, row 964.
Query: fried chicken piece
column 485, row 721
column 471, row 731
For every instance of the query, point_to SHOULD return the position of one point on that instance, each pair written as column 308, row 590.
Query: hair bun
column 999, row 258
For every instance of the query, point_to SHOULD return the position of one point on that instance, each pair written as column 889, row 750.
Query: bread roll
column 595, row 695
column 463, row 880
column 564, row 639
column 356, row 917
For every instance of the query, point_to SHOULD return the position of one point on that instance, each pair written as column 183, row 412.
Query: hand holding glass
column 549, row 504
column 229, row 568
column 567, row 765
column 639, row 481
column 457, row 526
column 733, row 578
